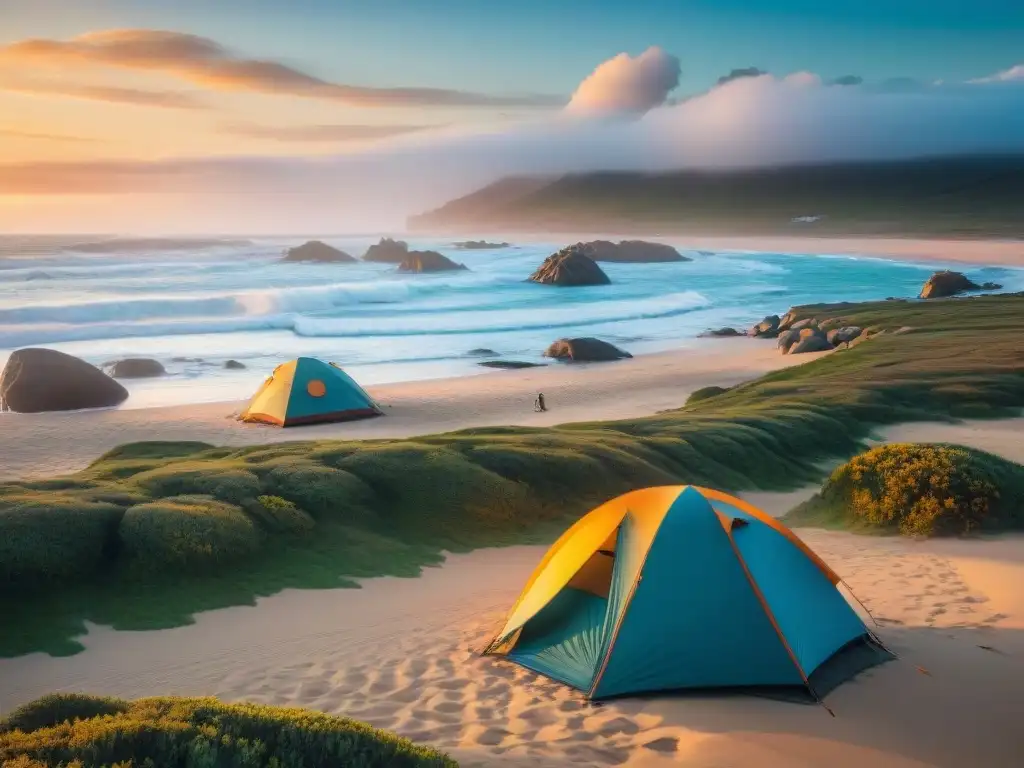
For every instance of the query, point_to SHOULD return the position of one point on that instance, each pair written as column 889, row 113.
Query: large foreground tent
column 309, row 391
column 683, row 587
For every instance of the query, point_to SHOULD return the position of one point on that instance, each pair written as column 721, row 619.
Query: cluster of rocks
column 808, row 334
column 38, row 380
column 387, row 251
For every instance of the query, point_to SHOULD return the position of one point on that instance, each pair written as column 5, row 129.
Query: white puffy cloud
column 1007, row 75
column 748, row 121
column 627, row 85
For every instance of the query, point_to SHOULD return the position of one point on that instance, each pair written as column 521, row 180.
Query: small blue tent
column 683, row 587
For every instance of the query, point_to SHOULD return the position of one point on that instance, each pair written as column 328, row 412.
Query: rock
column 788, row 319
column 631, row 251
column 37, row 380
column 787, row 339
column 991, row 287
column 946, row 283
column 812, row 342
column 479, row 245
column 767, row 328
column 570, row 267
column 135, row 368
column 482, row 352
column 428, row 261
column 234, row 365
column 807, row 322
column 387, row 251
column 843, row 335
column 585, row 350
column 318, row 252
column 721, row 333
column 509, row 364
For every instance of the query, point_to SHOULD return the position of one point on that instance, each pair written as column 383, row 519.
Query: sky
column 351, row 114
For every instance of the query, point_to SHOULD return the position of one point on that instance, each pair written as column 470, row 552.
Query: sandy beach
column 43, row 445
column 403, row 654
column 1007, row 253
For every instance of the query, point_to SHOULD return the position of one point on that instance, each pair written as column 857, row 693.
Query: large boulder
column 428, row 261
column 585, row 350
column 767, row 328
column 844, row 335
column 947, row 283
column 810, row 342
column 317, row 252
column 787, row 339
column 135, row 368
column 570, row 267
column 631, row 251
column 37, row 380
column 387, row 251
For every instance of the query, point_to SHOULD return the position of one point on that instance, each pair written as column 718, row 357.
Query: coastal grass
column 152, row 533
column 79, row 730
column 919, row 490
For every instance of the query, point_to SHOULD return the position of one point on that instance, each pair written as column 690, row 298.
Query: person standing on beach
column 539, row 404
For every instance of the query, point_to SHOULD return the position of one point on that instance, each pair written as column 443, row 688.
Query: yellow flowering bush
column 924, row 490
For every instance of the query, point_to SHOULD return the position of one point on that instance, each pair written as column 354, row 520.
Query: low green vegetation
column 76, row 731
column 151, row 533
column 920, row 490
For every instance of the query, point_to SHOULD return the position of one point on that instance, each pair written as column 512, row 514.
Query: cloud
column 208, row 64
column 747, row 122
column 736, row 74
column 109, row 94
column 316, row 133
column 627, row 85
column 16, row 134
column 1013, row 74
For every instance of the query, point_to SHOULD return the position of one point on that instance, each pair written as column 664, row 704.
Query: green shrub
column 321, row 491
column 704, row 393
column 205, row 732
column 278, row 515
column 46, row 537
column 922, row 490
column 224, row 482
column 58, row 708
column 186, row 531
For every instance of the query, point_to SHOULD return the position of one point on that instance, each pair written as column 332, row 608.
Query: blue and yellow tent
column 683, row 587
column 309, row 391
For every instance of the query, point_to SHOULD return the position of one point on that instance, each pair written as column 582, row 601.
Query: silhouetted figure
column 538, row 404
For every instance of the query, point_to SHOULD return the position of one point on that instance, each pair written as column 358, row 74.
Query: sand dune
column 404, row 655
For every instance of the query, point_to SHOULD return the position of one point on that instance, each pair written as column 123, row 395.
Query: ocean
column 195, row 307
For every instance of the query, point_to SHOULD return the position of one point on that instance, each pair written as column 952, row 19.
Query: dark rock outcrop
column 585, row 350
column 38, row 380
column 991, row 286
column 631, row 251
column 721, row 333
column 509, row 364
column 428, row 261
column 479, row 245
column 135, row 368
column 234, row 365
column 570, row 267
column 387, row 251
column 946, row 283
column 767, row 328
column 317, row 252
column 482, row 352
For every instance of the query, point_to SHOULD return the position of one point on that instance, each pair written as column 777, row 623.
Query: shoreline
column 980, row 252
column 47, row 444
